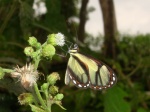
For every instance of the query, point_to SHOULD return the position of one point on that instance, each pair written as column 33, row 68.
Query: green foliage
column 82, row 99
column 142, row 110
column 114, row 100
column 134, row 68
column 134, row 56
column 36, row 109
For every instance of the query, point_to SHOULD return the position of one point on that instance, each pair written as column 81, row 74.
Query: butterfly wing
column 87, row 72
column 76, row 72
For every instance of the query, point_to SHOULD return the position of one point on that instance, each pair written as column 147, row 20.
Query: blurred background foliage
column 131, row 62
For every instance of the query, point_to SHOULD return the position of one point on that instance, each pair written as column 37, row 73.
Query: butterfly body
column 87, row 72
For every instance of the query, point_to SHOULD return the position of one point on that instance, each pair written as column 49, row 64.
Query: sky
column 133, row 16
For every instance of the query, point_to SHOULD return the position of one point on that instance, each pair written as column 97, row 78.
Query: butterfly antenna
column 65, row 50
column 61, row 55
column 70, row 44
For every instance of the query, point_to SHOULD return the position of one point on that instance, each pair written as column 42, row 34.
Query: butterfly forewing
column 88, row 72
column 76, row 73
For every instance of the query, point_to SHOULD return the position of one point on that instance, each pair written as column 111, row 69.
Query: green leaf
column 142, row 110
column 36, row 109
column 114, row 101
column 82, row 99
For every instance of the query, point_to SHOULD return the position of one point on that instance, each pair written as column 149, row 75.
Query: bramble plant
column 28, row 75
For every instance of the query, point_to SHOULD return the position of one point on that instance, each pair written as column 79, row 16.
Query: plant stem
column 39, row 96
column 36, row 63
column 49, row 105
column 7, row 70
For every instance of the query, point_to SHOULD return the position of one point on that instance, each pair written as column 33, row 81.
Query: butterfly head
column 74, row 49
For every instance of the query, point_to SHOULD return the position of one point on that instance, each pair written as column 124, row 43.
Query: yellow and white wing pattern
column 86, row 72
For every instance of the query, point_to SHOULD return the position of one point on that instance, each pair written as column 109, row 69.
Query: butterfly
column 87, row 72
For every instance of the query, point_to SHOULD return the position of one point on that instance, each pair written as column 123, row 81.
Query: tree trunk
column 110, row 28
column 82, row 17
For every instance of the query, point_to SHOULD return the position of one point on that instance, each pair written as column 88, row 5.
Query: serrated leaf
column 114, row 101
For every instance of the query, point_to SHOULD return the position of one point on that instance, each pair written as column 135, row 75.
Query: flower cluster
column 47, row 50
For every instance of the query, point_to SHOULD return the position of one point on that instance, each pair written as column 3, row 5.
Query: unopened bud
column 52, row 78
column 48, row 51
column 26, row 98
column 59, row 97
column 53, row 90
column 32, row 41
column 51, row 39
column 45, row 86
column 28, row 51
